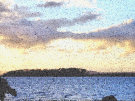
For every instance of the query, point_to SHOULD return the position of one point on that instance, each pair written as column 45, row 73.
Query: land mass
column 64, row 72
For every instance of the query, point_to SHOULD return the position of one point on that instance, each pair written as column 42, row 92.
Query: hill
column 62, row 72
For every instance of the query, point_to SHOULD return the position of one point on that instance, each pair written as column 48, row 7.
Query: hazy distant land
column 64, row 72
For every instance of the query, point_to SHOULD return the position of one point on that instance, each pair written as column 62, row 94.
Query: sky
column 97, row 35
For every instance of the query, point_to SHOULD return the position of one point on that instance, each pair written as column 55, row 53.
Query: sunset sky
column 97, row 35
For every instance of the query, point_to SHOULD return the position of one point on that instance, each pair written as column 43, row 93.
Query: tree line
column 63, row 72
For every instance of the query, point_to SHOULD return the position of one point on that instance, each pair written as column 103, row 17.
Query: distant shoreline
column 65, row 72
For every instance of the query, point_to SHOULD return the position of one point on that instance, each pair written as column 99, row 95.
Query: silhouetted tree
column 5, row 88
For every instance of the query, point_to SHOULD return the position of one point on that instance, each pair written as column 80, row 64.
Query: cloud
column 74, row 3
column 50, row 4
column 43, row 32
column 8, row 14
column 25, row 34
column 122, row 36
column 86, row 17
column 25, row 13
column 18, row 32
column 7, row 3
column 3, row 8
column 56, row 23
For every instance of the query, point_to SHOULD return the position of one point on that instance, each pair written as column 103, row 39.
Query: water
column 71, row 88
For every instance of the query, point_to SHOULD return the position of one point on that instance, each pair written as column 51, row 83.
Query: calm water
column 75, row 88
